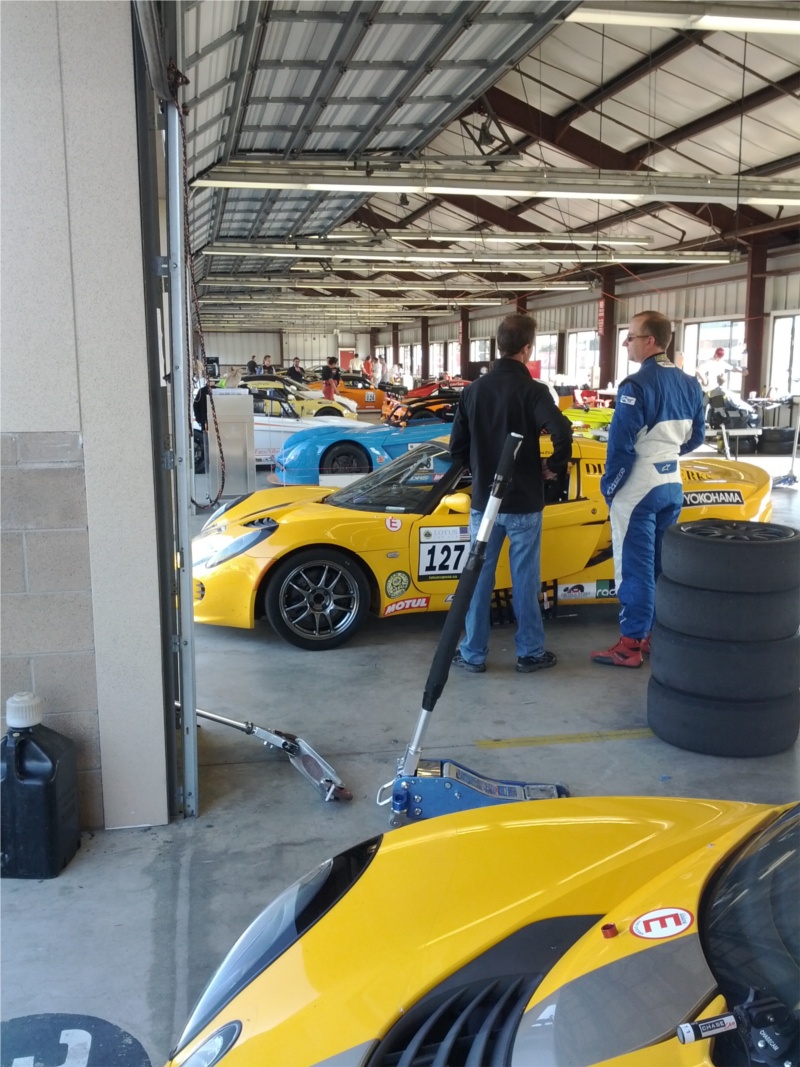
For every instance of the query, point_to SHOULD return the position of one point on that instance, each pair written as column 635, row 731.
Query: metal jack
column 425, row 788
column 301, row 755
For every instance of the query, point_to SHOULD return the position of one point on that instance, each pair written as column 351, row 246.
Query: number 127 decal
column 442, row 559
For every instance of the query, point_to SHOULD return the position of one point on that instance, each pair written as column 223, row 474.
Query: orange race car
column 397, row 395
column 439, row 405
column 358, row 388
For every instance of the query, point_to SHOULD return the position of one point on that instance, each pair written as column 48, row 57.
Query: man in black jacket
column 507, row 400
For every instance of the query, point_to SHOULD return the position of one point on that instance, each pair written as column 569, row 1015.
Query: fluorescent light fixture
column 507, row 260
column 762, row 18
column 291, row 283
column 482, row 237
column 513, row 181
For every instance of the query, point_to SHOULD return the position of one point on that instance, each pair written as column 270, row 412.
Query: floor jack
column 425, row 788
column 789, row 480
column 301, row 755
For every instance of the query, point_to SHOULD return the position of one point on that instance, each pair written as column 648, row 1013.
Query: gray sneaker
column 473, row 668
column 529, row 664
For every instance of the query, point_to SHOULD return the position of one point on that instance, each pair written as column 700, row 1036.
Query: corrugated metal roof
column 471, row 82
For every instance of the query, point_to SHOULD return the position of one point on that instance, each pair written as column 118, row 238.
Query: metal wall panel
column 442, row 331
column 234, row 349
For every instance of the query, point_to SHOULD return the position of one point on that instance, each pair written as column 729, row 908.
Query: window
column 583, row 353
column 480, row 351
column 624, row 366
column 405, row 358
column 700, row 342
column 454, row 359
column 437, row 363
column 416, row 360
column 546, row 351
column 784, row 373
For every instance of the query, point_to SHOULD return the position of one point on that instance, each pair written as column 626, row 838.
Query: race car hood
column 440, row 896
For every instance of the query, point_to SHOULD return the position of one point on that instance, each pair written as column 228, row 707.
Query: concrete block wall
column 47, row 621
column 81, row 622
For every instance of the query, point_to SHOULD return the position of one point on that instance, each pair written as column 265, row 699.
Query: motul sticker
column 698, row 497
column 394, row 524
column 662, row 922
column 407, row 605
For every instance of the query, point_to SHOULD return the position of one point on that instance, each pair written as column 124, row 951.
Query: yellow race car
column 627, row 932
column 393, row 542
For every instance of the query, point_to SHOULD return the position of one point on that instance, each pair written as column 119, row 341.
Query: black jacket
column 507, row 400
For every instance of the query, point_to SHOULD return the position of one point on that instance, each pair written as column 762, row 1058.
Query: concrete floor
column 122, row 942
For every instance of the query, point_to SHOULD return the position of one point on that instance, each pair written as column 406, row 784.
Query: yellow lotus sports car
column 394, row 542
column 627, row 932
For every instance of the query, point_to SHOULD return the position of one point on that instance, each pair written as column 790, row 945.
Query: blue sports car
column 348, row 449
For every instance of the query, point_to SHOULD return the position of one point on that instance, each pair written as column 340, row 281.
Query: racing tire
column 727, row 616
column 424, row 413
column 329, row 411
column 743, row 446
column 317, row 599
column 740, row 728
column 777, row 435
column 731, row 555
column 345, row 458
column 725, row 670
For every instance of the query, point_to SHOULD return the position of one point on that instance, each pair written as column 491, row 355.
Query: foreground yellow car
column 554, row 933
column 393, row 542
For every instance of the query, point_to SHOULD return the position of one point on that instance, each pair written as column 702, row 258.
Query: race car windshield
column 750, row 933
column 404, row 485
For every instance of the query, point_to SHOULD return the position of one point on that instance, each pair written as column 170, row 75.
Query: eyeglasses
column 633, row 336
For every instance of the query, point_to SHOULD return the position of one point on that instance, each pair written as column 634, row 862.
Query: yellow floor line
column 568, row 739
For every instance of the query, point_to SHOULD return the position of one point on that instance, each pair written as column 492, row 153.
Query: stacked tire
column 725, row 651
column 776, row 441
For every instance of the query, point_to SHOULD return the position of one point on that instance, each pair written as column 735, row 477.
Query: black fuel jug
column 38, row 794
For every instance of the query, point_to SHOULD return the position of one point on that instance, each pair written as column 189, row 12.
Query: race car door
column 571, row 531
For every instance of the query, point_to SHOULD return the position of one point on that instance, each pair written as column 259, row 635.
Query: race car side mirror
column 458, row 502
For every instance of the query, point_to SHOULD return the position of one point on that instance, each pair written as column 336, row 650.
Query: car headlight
column 275, row 930
column 241, row 544
column 212, row 1050
column 224, row 507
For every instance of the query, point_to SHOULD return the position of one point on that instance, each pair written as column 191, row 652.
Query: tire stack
column 725, row 653
column 776, row 441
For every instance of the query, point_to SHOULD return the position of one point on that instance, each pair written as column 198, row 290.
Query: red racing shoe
column 627, row 652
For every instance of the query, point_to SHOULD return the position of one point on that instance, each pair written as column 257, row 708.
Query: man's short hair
column 514, row 332
column 655, row 325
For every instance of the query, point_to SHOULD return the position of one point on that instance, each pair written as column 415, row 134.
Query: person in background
column 505, row 401
column 331, row 378
column 368, row 368
column 356, row 366
column 252, row 366
column 658, row 417
column 295, row 372
column 266, row 366
column 397, row 375
column 383, row 372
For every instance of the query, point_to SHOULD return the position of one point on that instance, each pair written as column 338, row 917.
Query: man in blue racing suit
column 658, row 417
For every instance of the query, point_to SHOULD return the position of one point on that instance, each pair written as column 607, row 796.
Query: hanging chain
column 176, row 80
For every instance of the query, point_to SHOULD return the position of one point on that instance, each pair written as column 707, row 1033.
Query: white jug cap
column 23, row 710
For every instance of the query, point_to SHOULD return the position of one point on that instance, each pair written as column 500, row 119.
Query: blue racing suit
column 658, row 417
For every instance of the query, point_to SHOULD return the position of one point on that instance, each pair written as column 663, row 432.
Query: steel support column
column 425, row 369
column 606, row 330
column 754, row 317
column 180, row 371
column 463, row 336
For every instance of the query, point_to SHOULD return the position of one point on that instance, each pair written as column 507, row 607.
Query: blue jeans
column 524, row 534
